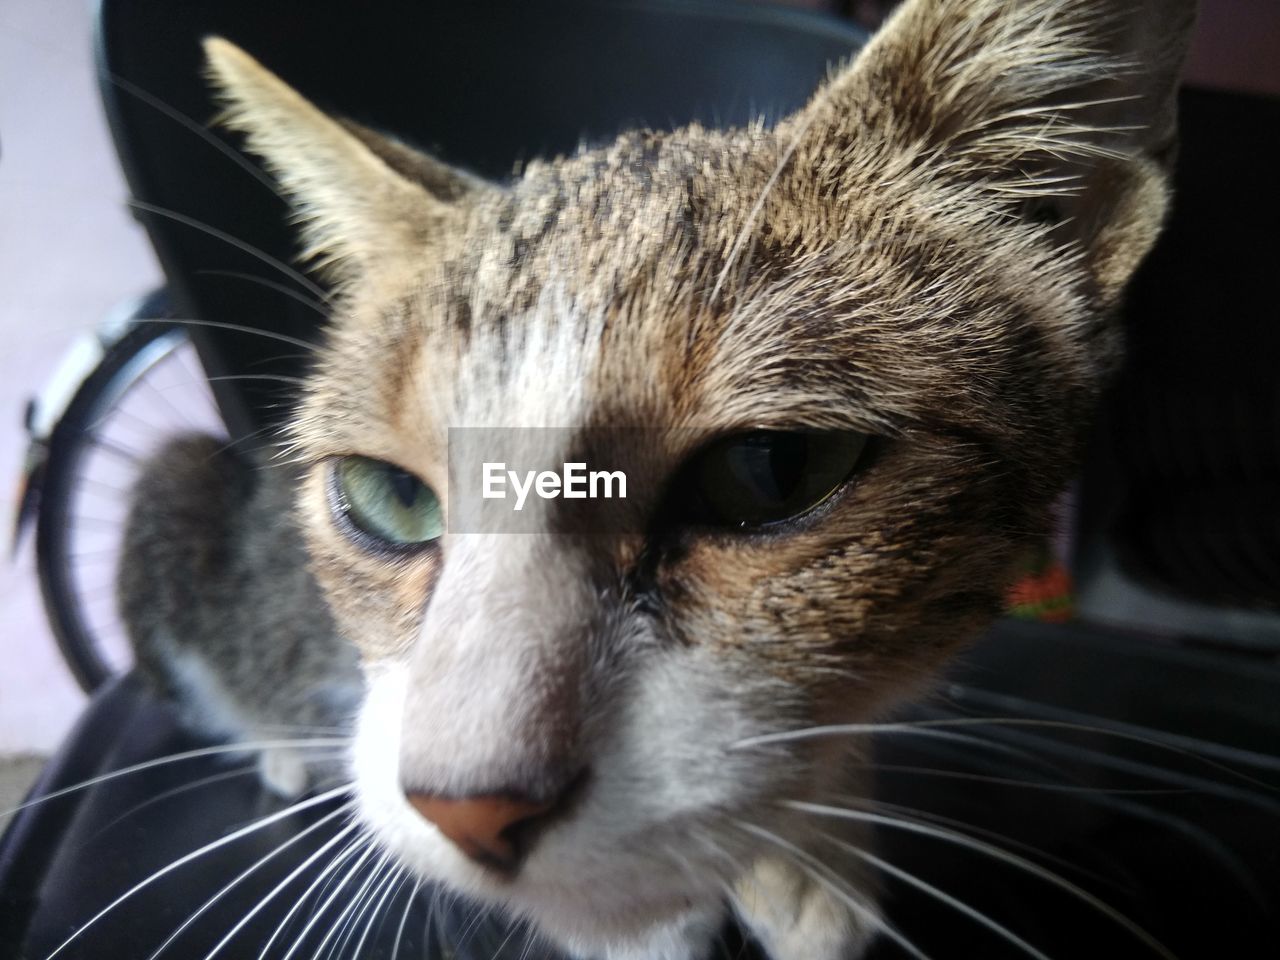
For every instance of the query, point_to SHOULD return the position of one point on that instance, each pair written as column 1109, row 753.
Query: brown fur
column 931, row 252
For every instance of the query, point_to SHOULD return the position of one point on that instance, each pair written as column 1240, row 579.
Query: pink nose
column 485, row 828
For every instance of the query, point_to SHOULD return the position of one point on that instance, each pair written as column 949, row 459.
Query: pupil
column 787, row 462
column 771, row 466
column 404, row 486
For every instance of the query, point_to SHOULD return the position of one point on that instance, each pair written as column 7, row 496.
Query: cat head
column 908, row 288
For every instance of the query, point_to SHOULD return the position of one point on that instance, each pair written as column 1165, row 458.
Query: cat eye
column 385, row 502
column 765, row 476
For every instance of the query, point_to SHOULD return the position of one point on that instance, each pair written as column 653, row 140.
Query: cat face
column 928, row 255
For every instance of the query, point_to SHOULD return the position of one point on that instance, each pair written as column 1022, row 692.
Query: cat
column 224, row 618
column 863, row 347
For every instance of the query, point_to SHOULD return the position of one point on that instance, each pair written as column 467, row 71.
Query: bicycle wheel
column 148, row 387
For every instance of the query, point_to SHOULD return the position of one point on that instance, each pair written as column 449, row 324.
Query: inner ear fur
column 1055, row 112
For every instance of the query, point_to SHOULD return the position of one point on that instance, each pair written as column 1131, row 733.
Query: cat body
column 604, row 733
column 221, row 610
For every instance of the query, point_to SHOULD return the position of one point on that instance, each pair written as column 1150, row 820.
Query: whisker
column 941, row 895
column 528, row 945
column 395, row 881
column 335, row 880
column 195, row 854
column 383, row 875
column 319, row 306
column 949, row 736
column 339, row 858
column 1013, row 859
column 473, row 921
column 673, row 855
column 339, row 929
column 239, row 244
column 1010, row 843
column 344, row 927
column 846, row 729
column 274, row 728
column 732, row 258
column 404, row 918
column 269, row 377
column 1185, row 746
column 820, row 872
column 914, row 726
column 247, row 440
column 246, row 747
column 369, row 849
column 1028, row 784
column 208, row 904
column 708, row 842
column 199, row 130
column 234, row 327
column 505, row 940
column 202, row 782
column 433, row 929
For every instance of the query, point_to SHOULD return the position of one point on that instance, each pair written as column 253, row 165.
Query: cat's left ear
column 1049, row 111
column 368, row 205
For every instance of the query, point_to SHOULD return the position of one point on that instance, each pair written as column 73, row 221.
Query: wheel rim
column 148, row 389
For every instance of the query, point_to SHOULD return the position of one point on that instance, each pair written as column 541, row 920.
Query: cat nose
column 493, row 830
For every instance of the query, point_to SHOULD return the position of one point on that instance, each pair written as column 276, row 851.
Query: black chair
column 484, row 85
column 1148, row 775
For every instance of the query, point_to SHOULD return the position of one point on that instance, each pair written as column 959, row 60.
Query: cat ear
column 1056, row 111
column 367, row 204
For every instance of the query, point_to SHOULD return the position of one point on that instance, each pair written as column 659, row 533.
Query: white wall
column 68, row 252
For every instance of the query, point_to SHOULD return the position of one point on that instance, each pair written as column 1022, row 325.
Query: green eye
column 386, row 502
column 755, row 479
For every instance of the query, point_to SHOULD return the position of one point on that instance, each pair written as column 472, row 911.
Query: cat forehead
column 607, row 215
column 705, row 277
column 643, row 283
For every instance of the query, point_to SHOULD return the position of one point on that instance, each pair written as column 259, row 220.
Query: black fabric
column 1188, row 457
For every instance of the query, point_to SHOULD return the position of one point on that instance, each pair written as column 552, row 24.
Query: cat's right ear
column 368, row 205
column 1057, row 113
